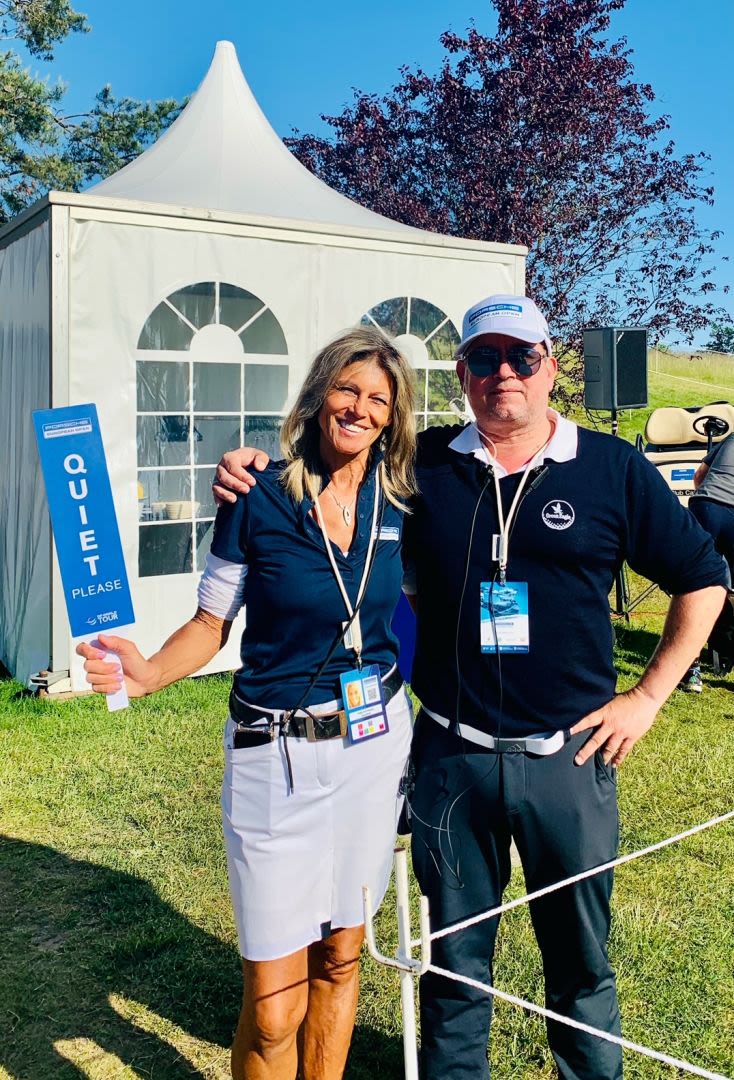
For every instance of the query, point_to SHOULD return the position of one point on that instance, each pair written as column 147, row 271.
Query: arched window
column 429, row 340
column 210, row 377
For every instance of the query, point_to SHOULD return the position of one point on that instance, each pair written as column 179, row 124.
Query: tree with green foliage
column 43, row 147
column 722, row 337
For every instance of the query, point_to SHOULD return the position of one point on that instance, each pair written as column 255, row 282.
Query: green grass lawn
column 662, row 390
column 117, row 945
column 714, row 368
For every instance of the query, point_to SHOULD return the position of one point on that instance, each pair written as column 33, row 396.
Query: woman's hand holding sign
column 187, row 650
column 140, row 675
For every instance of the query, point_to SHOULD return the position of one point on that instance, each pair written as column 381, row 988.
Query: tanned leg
column 333, row 985
column 273, row 1007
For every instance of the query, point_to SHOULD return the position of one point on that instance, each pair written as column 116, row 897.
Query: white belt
column 542, row 745
column 325, row 708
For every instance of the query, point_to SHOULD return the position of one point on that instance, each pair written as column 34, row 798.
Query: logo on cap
column 507, row 311
column 558, row 515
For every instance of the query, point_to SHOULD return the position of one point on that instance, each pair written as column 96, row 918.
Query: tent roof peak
column 222, row 154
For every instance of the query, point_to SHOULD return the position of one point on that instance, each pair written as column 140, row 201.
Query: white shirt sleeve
column 222, row 587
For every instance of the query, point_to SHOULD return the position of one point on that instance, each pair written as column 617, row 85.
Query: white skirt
column 297, row 862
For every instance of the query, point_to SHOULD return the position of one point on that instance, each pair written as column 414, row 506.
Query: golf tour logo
column 558, row 514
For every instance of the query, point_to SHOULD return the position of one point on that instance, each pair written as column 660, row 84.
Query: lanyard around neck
column 501, row 549
column 368, row 561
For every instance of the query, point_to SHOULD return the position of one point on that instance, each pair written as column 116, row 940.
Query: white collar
column 563, row 444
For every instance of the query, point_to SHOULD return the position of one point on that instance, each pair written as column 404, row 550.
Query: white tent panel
column 164, row 328
column 147, row 265
column 419, row 300
column 351, row 285
column 25, row 564
column 185, row 296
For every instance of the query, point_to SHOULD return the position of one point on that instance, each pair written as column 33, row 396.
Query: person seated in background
column 712, row 505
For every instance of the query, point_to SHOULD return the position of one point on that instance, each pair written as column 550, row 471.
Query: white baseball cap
column 515, row 316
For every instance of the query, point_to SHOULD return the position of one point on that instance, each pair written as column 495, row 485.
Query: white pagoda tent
column 185, row 295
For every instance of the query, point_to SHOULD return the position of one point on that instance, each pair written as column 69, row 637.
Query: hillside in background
column 683, row 379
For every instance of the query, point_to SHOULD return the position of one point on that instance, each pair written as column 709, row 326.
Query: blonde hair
column 300, row 434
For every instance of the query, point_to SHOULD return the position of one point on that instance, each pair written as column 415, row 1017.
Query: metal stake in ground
column 408, row 967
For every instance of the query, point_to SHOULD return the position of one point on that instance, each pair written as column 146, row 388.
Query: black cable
column 452, row 864
column 290, row 713
column 457, row 660
column 594, row 418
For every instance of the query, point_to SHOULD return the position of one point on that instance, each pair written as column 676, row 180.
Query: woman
column 309, row 812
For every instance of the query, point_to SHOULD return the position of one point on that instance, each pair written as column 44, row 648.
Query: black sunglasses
column 487, row 360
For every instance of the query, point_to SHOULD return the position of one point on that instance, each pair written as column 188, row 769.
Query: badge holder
column 504, row 622
column 364, row 703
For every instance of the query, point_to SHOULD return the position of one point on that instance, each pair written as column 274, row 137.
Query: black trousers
column 467, row 805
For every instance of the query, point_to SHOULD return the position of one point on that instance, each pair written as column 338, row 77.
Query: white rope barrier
column 501, row 908
column 698, row 382
column 627, row 1044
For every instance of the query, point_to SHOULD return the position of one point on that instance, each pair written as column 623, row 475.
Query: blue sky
column 302, row 60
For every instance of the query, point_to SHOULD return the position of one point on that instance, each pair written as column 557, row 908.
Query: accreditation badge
column 364, row 703
column 504, row 621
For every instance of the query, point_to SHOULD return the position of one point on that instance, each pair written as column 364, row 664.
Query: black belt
column 255, row 726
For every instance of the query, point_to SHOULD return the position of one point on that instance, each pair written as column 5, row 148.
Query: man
column 521, row 523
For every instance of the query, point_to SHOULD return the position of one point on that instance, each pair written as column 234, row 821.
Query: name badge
column 504, row 621
column 353, row 634
column 364, row 703
column 389, row 532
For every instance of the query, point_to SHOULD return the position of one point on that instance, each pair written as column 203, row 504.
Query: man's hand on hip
column 619, row 724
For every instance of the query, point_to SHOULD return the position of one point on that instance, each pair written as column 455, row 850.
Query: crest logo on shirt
column 558, row 515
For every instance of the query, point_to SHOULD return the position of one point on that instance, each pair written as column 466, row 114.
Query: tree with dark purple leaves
column 540, row 135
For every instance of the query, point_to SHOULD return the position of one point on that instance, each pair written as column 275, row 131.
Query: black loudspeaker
column 615, row 367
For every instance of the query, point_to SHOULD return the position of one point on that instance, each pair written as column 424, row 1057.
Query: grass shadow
column 634, row 644
column 23, row 695
column 374, row 1054
column 719, row 683
column 75, row 937
column 72, row 934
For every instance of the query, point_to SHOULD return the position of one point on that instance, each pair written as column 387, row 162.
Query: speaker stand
column 624, row 605
column 621, row 588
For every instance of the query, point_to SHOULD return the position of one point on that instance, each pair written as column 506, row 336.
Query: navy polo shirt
column 295, row 609
column 569, row 538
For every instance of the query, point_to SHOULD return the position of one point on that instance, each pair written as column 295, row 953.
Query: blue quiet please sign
column 83, row 519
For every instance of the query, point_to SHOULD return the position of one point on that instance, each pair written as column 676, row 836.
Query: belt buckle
column 269, row 726
column 310, row 726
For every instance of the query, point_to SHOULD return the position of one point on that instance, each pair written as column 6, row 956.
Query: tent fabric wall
column 315, row 285
column 25, row 564
column 218, row 218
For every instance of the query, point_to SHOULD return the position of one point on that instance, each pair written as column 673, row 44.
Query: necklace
column 346, row 508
